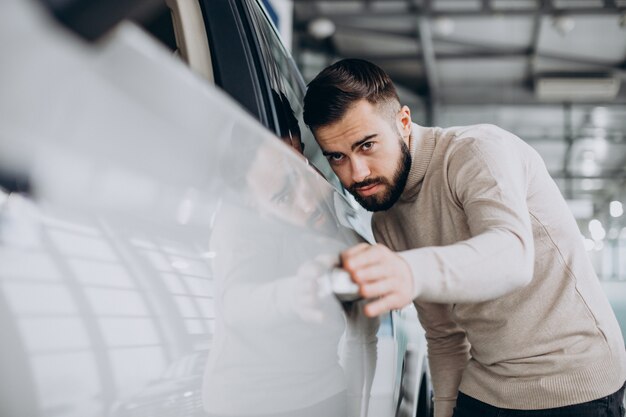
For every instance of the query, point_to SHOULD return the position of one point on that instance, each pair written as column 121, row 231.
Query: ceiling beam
column 512, row 53
column 612, row 67
column 568, row 138
column 427, row 53
column 406, row 34
column 450, row 56
column 486, row 6
column 481, row 51
column 481, row 12
column 616, row 69
column 534, row 40
column 547, row 7
column 615, row 175
column 504, row 97
column 430, row 68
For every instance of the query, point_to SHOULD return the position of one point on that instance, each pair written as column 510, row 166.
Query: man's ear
column 404, row 122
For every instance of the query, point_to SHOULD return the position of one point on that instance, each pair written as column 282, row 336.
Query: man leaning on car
column 472, row 230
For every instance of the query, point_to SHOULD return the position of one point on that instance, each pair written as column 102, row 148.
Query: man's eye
column 367, row 146
column 335, row 157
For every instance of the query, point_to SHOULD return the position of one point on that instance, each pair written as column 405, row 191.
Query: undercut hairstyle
column 334, row 90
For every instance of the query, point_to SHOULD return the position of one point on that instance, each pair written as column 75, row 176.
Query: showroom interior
column 171, row 231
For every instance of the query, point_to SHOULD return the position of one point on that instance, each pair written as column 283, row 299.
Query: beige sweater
column 513, row 311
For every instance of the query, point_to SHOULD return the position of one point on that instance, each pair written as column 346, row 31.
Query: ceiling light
column 597, row 230
column 599, row 145
column 616, row 209
column 588, row 166
column 563, row 24
column 444, row 26
column 594, row 225
column 321, row 28
column 600, row 117
column 576, row 88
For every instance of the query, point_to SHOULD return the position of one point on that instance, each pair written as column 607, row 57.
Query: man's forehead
column 360, row 119
column 343, row 133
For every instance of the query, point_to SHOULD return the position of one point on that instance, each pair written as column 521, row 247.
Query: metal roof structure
column 551, row 71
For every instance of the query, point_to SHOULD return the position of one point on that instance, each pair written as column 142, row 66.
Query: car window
column 287, row 89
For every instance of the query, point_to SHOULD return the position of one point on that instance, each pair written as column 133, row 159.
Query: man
column 473, row 230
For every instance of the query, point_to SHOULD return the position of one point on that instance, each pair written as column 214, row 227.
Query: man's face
column 368, row 150
column 281, row 189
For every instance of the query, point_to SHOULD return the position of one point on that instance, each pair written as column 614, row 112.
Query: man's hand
column 380, row 274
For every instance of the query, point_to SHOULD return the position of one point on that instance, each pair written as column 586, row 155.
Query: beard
column 393, row 189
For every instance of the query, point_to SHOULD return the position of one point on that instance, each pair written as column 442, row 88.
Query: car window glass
column 287, row 91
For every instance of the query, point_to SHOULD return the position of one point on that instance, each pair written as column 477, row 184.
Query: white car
column 170, row 256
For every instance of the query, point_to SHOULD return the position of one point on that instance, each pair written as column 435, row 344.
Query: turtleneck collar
column 421, row 146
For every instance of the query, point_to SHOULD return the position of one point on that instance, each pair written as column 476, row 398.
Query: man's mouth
column 368, row 190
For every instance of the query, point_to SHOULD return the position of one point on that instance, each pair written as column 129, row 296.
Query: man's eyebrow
column 354, row 145
column 362, row 141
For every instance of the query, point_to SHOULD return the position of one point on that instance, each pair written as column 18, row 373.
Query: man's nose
column 360, row 170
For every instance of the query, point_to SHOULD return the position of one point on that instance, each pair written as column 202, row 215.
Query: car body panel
column 173, row 257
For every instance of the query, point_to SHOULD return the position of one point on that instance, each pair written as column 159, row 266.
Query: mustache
column 367, row 182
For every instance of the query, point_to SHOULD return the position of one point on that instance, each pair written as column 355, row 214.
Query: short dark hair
column 334, row 90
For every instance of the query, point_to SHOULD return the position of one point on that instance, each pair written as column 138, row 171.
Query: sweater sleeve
column 488, row 180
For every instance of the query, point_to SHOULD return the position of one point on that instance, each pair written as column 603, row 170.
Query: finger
column 369, row 273
column 355, row 250
column 376, row 289
column 380, row 306
column 366, row 257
